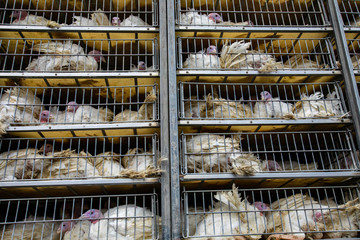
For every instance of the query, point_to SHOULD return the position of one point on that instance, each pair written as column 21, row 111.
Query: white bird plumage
column 203, row 59
column 23, row 18
column 97, row 18
column 120, row 222
column 243, row 218
column 18, row 105
column 270, row 107
column 64, row 56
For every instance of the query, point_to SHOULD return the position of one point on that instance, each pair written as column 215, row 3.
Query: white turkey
column 216, row 153
column 19, row 106
column 145, row 112
column 193, row 107
column 343, row 218
column 97, row 18
column 131, row 21
column 65, row 56
column 237, row 55
column 192, row 17
column 203, row 59
column 140, row 67
column 24, row 18
column 88, row 114
column 43, row 229
column 295, row 215
column 25, row 163
column 301, row 216
column 70, row 165
column 54, row 115
column 80, row 229
column 233, row 215
column 192, row 220
column 270, row 107
column 217, row 107
column 316, row 106
column 108, row 164
column 125, row 222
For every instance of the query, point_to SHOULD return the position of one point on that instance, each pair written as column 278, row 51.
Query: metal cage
column 241, row 13
column 354, row 51
column 350, row 12
column 72, row 14
column 131, row 216
column 306, row 212
column 43, row 56
column 261, row 55
column 69, row 158
column 21, row 106
column 268, row 152
column 260, row 101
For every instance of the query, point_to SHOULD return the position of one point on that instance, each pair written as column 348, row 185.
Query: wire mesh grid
column 286, row 213
column 350, row 12
column 270, row 152
column 79, row 157
column 354, row 51
column 65, row 55
column 83, row 13
column 260, row 101
column 260, row 54
column 251, row 13
column 21, row 106
column 130, row 216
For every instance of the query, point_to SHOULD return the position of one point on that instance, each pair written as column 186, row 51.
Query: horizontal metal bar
column 88, row 182
column 29, row 28
column 275, row 175
column 215, row 28
column 110, row 74
column 69, row 127
column 257, row 73
column 262, row 122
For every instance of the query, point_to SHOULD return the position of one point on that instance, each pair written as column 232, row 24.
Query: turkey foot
column 284, row 237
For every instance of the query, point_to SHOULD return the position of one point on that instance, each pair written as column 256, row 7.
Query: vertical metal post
column 346, row 65
column 173, row 123
column 164, row 124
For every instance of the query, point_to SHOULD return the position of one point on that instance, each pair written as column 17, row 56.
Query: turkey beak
column 103, row 59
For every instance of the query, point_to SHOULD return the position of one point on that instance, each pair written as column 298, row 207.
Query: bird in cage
column 233, row 215
column 34, row 227
column 193, row 106
column 145, row 112
column 316, row 106
column 27, row 163
column 67, row 164
column 131, row 21
column 140, row 164
column 215, row 153
column 303, row 62
column 24, row 18
column 80, row 229
column 97, row 18
column 125, row 222
column 18, row 106
column 300, row 216
column 236, row 55
column 64, row 56
column 270, row 107
column 203, row 59
column 217, row 107
column 192, row 17
column 140, row 67
column 108, row 164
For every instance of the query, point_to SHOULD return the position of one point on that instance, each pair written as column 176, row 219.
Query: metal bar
column 173, row 140
column 346, row 63
column 166, row 211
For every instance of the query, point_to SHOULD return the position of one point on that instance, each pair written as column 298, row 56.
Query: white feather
column 202, row 60
column 194, row 18
column 133, row 21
